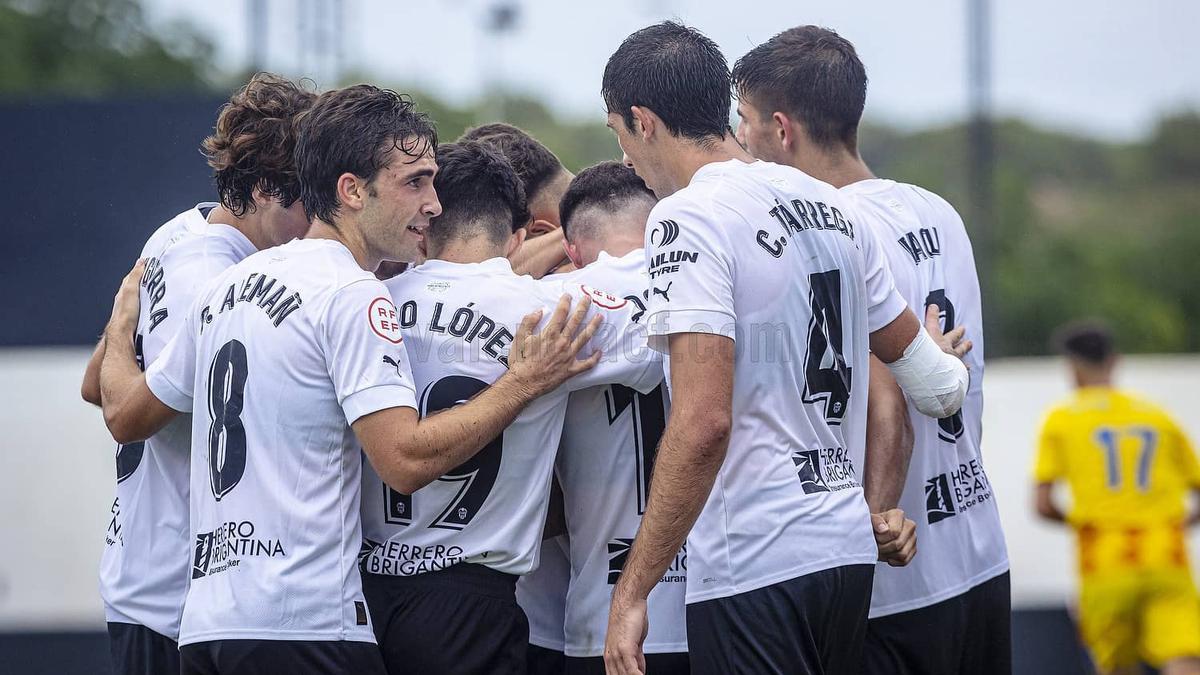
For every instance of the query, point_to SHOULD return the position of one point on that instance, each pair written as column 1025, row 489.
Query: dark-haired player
column 441, row 563
column 545, row 180
column 146, row 561
column 801, row 95
column 1129, row 468
column 611, row 436
column 761, row 456
column 292, row 359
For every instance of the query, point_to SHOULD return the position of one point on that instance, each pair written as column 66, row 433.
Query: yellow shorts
column 1150, row 615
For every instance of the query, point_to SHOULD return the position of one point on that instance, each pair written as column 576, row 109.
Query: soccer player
column 764, row 443
column 292, row 359
column 1129, row 468
column 145, row 565
column 442, row 562
column 545, row 180
column 800, row 98
column 611, row 436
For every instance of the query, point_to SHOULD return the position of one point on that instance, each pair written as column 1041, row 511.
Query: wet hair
column 479, row 191
column 812, row 74
column 354, row 130
column 1089, row 341
column 533, row 162
column 675, row 71
column 252, row 146
column 608, row 185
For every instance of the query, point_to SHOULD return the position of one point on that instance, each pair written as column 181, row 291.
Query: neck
column 349, row 237
column 616, row 244
column 250, row 224
column 687, row 158
column 470, row 250
column 1082, row 381
column 839, row 167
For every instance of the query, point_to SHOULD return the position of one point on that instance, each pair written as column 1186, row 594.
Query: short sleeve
column 364, row 351
column 691, row 271
column 1050, row 464
column 172, row 376
column 884, row 302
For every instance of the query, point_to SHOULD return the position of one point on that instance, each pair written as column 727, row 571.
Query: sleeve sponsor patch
column 603, row 299
column 384, row 320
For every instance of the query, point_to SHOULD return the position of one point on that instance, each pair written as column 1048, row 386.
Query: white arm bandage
column 934, row 380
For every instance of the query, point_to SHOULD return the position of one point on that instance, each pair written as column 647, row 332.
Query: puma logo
column 395, row 364
column 663, row 291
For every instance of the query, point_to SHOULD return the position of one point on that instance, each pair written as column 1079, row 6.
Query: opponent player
column 441, row 563
column 781, row 556
column 293, row 358
column 800, row 98
column 145, row 565
column 1129, row 468
column 611, row 437
column 545, row 180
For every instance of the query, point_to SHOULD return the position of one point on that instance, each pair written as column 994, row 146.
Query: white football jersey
column 458, row 321
column 542, row 594
column 609, row 443
column 144, row 567
column 279, row 356
column 772, row 258
column 947, row 493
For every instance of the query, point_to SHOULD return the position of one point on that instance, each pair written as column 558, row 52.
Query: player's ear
column 515, row 241
column 351, row 191
column 573, row 253
column 644, row 122
column 783, row 130
column 539, row 227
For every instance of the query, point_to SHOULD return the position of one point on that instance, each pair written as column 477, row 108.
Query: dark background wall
column 83, row 184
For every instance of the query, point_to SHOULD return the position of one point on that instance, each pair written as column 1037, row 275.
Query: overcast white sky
column 1104, row 67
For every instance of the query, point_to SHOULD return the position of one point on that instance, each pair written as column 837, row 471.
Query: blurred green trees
column 1084, row 227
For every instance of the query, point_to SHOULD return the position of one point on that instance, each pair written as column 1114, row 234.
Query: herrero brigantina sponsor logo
column 618, row 553
column 225, row 547
column 824, row 470
column 953, row 492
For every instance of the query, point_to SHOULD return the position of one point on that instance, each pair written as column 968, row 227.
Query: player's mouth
column 420, row 234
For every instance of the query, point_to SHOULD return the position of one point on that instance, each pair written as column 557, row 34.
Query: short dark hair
column 353, row 130
column 812, row 74
column 607, row 185
column 1089, row 341
column 677, row 72
column 252, row 145
column 533, row 162
column 479, row 191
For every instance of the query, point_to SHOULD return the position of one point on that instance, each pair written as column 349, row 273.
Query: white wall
column 59, row 476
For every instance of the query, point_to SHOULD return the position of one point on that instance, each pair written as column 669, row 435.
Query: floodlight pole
column 981, row 159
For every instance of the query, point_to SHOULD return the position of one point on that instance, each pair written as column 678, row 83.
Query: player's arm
column 926, row 363
column 131, row 411
column 1044, row 504
column 538, row 256
column 889, row 449
column 409, row 453
column 90, row 389
column 1049, row 468
column 690, row 454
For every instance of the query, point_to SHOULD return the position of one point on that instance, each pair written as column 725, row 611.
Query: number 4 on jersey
column 827, row 376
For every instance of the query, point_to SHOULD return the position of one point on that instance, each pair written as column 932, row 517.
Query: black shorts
column 969, row 633
column 810, row 625
column 271, row 657
column 542, row 661
column 137, row 650
column 458, row 621
column 656, row 664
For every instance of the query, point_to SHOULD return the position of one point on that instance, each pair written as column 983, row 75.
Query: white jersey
column 145, row 563
column 542, row 594
column 279, row 356
column 770, row 257
column 608, row 449
column 947, row 492
column 458, row 321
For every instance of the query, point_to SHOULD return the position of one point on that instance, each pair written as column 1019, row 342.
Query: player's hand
column 951, row 342
column 542, row 361
column 895, row 537
column 126, row 304
column 627, row 626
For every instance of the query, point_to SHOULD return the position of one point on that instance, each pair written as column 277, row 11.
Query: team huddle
column 693, row 411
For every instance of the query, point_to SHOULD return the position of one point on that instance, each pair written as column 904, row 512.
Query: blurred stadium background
column 1067, row 135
